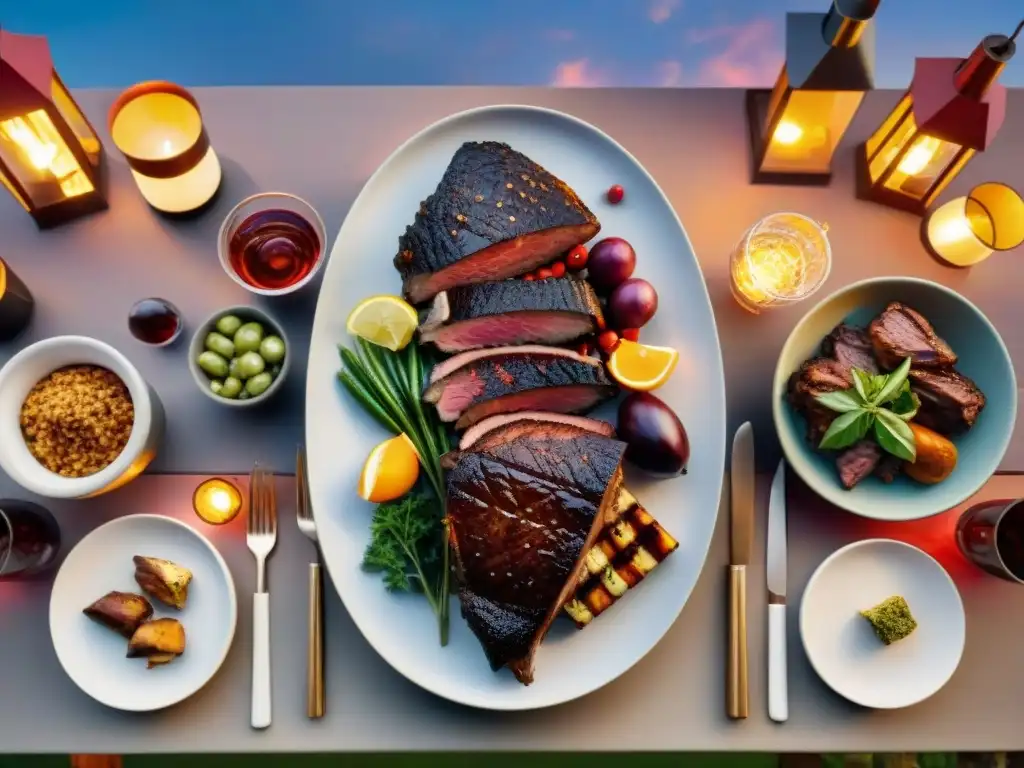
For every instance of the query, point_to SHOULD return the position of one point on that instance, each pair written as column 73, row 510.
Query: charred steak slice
column 508, row 426
column 900, row 332
column 474, row 385
column 857, row 462
column 815, row 377
column 521, row 520
column 950, row 401
column 494, row 214
column 851, row 346
column 551, row 311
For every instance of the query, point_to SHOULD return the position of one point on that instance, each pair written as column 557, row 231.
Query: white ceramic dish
column 32, row 364
column 339, row 435
column 94, row 656
column 842, row 646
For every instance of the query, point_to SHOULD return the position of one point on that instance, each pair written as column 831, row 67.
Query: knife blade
column 741, row 538
column 778, row 687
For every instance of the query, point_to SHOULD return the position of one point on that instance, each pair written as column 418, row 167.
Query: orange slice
column 390, row 470
column 641, row 367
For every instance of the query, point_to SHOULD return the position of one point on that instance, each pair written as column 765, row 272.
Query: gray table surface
column 322, row 144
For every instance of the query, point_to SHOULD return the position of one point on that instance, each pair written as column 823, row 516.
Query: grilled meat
column 889, row 468
column 473, row 385
column 815, row 377
column 857, row 462
column 494, row 214
column 900, row 332
column 522, row 515
column 851, row 346
column 950, row 401
column 551, row 311
column 509, row 426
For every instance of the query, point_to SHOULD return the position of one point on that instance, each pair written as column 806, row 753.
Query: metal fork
column 261, row 536
column 315, row 694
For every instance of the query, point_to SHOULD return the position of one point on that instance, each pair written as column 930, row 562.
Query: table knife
column 741, row 535
column 778, row 689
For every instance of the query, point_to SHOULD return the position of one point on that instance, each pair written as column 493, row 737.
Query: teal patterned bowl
column 983, row 357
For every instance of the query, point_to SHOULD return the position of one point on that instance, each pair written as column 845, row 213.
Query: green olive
column 250, row 364
column 233, row 368
column 230, row 388
column 272, row 349
column 258, row 384
column 243, row 395
column 216, row 385
column 229, row 324
column 248, row 337
column 222, row 345
column 275, row 371
column 213, row 364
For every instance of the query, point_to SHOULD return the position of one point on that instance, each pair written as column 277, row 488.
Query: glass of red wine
column 991, row 535
column 29, row 539
column 155, row 321
column 272, row 243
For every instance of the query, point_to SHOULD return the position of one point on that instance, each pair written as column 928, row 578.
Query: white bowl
column 842, row 646
column 32, row 364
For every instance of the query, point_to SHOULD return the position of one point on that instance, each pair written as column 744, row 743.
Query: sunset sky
column 526, row 42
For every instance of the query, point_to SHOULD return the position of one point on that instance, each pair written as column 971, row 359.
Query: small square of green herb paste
column 891, row 619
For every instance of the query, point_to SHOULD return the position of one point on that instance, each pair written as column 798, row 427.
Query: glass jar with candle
column 16, row 304
column 217, row 501
column 968, row 230
column 783, row 258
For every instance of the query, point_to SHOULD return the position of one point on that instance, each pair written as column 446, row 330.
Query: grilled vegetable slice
column 122, row 612
column 624, row 553
column 164, row 580
column 159, row 636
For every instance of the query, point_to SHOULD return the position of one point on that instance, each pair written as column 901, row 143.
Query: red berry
column 615, row 194
column 577, row 258
column 607, row 340
column 558, row 269
column 631, row 334
column 543, row 273
column 529, row 278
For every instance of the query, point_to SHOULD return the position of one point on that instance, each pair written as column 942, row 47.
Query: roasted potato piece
column 123, row 612
column 164, row 580
column 159, row 659
column 157, row 637
column 936, row 456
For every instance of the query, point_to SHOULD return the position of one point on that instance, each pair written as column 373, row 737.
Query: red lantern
column 51, row 159
column 954, row 108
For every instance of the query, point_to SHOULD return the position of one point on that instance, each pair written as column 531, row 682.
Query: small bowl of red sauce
column 272, row 243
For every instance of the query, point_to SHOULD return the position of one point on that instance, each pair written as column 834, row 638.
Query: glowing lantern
column 953, row 109
column 51, row 160
column 967, row 230
column 796, row 127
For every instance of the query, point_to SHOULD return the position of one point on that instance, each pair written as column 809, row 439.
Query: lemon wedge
column 388, row 321
column 641, row 367
column 390, row 470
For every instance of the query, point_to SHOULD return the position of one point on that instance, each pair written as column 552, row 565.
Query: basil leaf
column 894, row 385
column 895, row 435
column 862, row 383
column 846, row 430
column 842, row 402
column 905, row 406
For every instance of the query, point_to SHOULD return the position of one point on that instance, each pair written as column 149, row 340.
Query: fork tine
column 271, row 503
column 250, row 525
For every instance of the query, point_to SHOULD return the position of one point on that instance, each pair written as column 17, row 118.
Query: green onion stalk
column 389, row 386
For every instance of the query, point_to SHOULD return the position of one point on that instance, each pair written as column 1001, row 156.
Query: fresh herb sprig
column 405, row 545
column 882, row 403
column 389, row 386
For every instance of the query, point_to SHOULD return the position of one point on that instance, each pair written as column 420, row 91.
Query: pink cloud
column 661, row 11
column 749, row 55
column 670, row 74
column 578, row 73
column 559, row 35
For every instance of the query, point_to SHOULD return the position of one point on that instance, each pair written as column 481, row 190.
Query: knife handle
column 778, row 688
column 737, row 694
column 315, row 698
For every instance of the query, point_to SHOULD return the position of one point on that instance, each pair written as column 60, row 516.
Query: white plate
column 339, row 435
column 842, row 646
column 94, row 656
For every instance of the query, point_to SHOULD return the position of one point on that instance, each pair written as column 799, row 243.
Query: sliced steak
column 551, row 311
column 521, row 517
column 511, row 425
column 900, row 332
column 889, row 468
column 474, row 385
column 494, row 214
column 815, row 377
column 857, row 462
column 950, row 401
column 851, row 346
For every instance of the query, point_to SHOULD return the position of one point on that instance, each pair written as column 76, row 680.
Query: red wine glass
column 29, row 539
column 155, row 321
column 991, row 535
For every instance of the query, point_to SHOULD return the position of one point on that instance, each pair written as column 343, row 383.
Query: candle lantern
column 159, row 129
column 969, row 229
column 217, row 501
column 783, row 258
column 51, row 160
column 953, row 109
column 796, row 126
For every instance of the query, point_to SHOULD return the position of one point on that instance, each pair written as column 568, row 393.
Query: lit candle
column 968, row 230
column 159, row 129
column 783, row 258
column 217, row 501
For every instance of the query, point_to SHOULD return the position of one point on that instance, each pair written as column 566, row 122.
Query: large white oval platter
column 339, row 435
